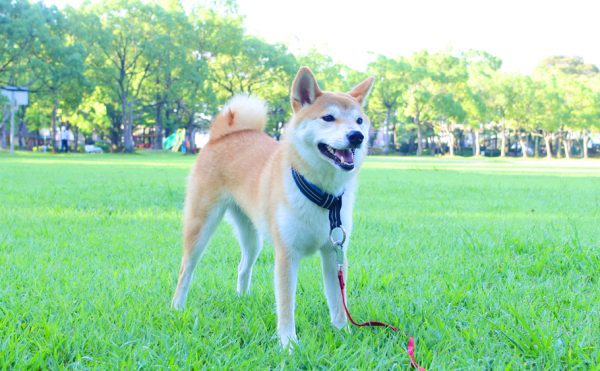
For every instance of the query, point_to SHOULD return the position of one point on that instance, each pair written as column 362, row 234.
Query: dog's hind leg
column 250, row 244
column 199, row 225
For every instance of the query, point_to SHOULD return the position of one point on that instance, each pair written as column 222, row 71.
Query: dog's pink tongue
column 345, row 155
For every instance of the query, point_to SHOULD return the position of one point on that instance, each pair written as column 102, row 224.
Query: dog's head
column 329, row 131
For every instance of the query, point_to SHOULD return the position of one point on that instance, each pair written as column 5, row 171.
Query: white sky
column 521, row 32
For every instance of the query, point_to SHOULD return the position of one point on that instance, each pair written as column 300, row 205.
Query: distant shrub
column 376, row 151
column 404, row 148
column 465, row 152
column 492, row 153
column 105, row 146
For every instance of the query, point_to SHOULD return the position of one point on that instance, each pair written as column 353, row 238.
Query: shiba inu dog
column 254, row 179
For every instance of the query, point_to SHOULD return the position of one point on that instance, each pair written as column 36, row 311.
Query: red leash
column 410, row 349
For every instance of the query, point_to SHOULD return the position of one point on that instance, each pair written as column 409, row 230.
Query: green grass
column 489, row 264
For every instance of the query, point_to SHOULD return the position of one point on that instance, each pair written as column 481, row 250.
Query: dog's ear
column 361, row 91
column 304, row 89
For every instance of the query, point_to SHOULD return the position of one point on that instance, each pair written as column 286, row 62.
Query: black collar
column 321, row 198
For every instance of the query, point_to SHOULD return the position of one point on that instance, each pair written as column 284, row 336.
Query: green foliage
column 330, row 75
column 90, row 116
column 493, row 272
column 21, row 27
column 391, row 85
column 567, row 65
column 157, row 64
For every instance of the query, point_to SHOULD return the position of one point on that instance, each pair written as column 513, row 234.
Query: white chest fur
column 304, row 226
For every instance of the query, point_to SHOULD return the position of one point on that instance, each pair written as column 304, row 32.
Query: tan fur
column 243, row 166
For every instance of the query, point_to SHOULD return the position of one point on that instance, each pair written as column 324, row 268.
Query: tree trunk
column 128, row 128
column 419, row 135
column 386, row 137
column 168, row 118
column 22, row 133
column 190, row 134
column 547, row 139
column 411, row 144
column 503, row 142
column 12, row 129
column 536, row 148
column 5, row 115
column 76, row 137
column 158, row 128
column 433, row 146
column 393, row 137
column 557, row 145
column 124, row 119
column 476, row 147
column 567, row 147
column 54, row 109
column 419, row 139
column 115, row 136
column 451, row 141
column 523, row 146
column 584, row 146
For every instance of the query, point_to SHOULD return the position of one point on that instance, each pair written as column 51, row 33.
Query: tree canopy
column 132, row 72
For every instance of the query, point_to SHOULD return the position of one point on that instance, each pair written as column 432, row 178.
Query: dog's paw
column 288, row 342
column 340, row 322
column 177, row 305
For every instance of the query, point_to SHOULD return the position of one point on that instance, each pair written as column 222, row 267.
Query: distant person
column 64, row 138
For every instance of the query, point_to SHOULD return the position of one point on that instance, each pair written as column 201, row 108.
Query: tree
column 503, row 97
column 570, row 78
column 258, row 68
column 522, row 114
column 420, row 93
column 449, row 111
column 91, row 116
column 567, row 65
column 20, row 24
column 549, row 112
column 122, row 37
column 584, row 106
column 58, row 65
column 392, row 83
column 332, row 76
column 482, row 70
column 433, row 82
column 253, row 68
column 170, row 50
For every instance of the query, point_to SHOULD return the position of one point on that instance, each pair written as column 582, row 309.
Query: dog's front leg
column 332, row 286
column 286, row 276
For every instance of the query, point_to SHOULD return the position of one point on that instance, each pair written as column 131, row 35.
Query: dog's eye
column 328, row 118
column 359, row 120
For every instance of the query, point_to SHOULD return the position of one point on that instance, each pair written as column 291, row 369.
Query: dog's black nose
column 355, row 138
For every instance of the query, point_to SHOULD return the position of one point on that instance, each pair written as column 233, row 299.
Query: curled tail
column 242, row 112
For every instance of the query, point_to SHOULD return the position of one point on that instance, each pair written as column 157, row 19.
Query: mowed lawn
column 489, row 264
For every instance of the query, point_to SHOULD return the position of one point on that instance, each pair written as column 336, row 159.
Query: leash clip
column 337, row 236
column 339, row 255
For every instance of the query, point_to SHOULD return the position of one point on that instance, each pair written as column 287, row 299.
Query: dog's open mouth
column 343, row 158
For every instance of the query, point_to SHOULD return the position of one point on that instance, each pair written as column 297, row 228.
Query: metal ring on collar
column 337, row 241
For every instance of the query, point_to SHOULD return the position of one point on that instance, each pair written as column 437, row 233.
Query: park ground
column 489, row 264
